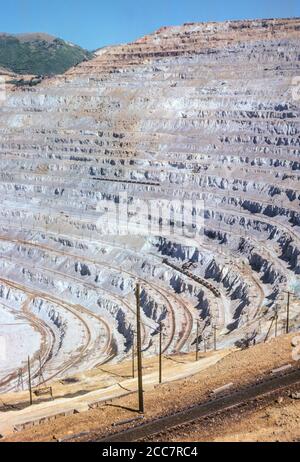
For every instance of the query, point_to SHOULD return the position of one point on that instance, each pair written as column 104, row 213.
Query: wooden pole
column 276, row 324
column 29, row 382
column 133, row 355
column 288, row 313
column 139, row 350
column 197, row 342
column 160, row 352
column 215, row 337
column 41, row 375
column 267, row 336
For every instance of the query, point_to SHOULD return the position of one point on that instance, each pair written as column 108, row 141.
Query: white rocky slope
column 204, row 113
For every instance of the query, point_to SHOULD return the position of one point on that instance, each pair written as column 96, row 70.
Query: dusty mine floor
column 278, row 419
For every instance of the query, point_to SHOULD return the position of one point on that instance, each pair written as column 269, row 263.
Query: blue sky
column 96, row 23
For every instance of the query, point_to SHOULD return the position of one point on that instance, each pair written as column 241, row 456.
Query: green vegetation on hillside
column 39, row 57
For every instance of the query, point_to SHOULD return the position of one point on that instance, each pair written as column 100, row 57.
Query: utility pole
column 276, row 324
column 160, row 352
column 267, row 336
column 29, row 382
column 20, row 380
column 215, row 337
column 139, row 350
column 133, row 355
column 197, row 342
column 288, row 313
column 41, row 377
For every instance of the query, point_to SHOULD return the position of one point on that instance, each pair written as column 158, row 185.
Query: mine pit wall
column 201, row 112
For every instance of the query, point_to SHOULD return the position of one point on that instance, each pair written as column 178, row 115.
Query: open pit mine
column 172, row 162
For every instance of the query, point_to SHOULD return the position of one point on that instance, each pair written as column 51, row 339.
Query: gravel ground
column 238, row 367
column 277, row 421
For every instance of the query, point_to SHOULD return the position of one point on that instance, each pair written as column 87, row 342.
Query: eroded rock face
column 202, row 113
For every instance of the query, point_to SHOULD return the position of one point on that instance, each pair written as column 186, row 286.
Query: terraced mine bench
column 174, row 112
column 198, row 279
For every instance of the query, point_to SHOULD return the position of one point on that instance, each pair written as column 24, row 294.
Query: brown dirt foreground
column 277, row 421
